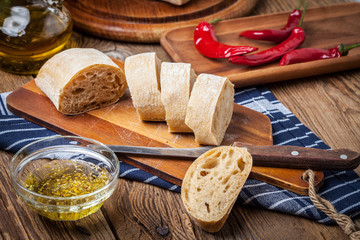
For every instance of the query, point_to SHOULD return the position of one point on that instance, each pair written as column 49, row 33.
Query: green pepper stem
column 344, row 50
column 215, row 21
column 299, row 5
column 303, row 13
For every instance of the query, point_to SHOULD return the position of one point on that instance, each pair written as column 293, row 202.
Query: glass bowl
column 64, row 177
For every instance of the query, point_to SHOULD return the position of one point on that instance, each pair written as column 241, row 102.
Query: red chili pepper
column 311, row 54
column 276, row 35
column 292, row 42
column 296, row 38
column 207, row 44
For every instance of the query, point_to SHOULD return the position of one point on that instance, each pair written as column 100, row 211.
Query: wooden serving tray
column 147, row 20
column 325, row 27
column 119, row 124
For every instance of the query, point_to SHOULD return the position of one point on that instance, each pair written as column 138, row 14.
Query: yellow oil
column 65, row 178
column 30, row 35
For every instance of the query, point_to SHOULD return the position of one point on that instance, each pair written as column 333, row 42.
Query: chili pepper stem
column 303, row 13
column 215, row 21
column 344, row 50
column 299, row 5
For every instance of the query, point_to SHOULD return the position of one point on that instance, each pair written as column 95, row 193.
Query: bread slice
column 212, row 184
column 210, row 108
column 78, row 80
column 177, row 80
column 143, row 77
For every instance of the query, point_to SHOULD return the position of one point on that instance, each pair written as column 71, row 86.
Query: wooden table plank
column 336, row 120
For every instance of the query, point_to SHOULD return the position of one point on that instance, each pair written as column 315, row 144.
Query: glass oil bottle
column 31, row 31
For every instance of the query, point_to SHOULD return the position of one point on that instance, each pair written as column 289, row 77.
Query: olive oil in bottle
column 30, row 33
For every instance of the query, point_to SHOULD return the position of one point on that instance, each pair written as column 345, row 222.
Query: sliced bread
column 210, row 108
column 177, row 80
column 143, row 77
column 78, row 80
column 212, row 184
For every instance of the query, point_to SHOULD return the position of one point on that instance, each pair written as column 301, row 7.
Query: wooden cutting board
column 325, row 27
column 119, row 124
column 147, row 20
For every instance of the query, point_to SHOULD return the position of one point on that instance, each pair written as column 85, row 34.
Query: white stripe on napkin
column 263, row 194
column 345, row 196
column 5, row 111
column 150, row 179
column 254, row 185
column 292, row 139
column 338, row 186
column 173, row 187
column 333, row 175
column 284, row 130
column 10, row 119
column 21, row 130
column 128, row 171
column 286, row 200
column 21, row 141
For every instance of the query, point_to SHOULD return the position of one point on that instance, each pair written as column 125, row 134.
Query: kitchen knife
column 266, row 156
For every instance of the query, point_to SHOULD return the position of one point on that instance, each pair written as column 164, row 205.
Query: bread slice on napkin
column 212, row 184
column 177, row 80
column 210, row 108
column 143, row 77
column 78, row 80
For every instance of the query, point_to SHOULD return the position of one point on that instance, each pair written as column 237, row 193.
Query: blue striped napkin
column 341, row 188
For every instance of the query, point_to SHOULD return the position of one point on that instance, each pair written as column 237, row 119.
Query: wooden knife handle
column 302, row 157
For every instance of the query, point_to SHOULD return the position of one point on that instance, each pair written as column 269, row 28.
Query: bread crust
column 210, row 108
column 212, row 183
column 78, row 80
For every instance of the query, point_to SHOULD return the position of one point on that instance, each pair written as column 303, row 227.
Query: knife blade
column 186, row 153
column 265, row 156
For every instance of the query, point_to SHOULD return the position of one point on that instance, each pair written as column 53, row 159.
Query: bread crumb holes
column 210, row 163
column 203, row 173
column 207, row 207
column 77, row 91
column 225, row 180
column 241, row 164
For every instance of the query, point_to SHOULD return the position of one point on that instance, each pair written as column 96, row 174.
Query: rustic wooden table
column 329, row 105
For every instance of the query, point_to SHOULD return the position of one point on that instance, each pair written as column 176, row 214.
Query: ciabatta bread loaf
column 143, row 77
column 78, row 80
column 212, row 184
column 177, row 80
column 210, row 108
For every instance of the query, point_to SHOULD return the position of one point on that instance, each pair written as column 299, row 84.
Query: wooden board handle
column 302, row 157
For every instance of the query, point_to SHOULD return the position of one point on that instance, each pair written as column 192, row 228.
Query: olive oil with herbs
column 65, row 178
